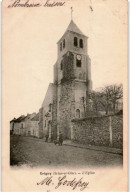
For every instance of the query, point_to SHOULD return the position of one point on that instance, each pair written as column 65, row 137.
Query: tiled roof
column 20, row 118
column 36, row 117
column 13, row 120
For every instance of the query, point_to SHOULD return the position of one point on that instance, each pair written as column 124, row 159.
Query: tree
column 95, row 97
column 107, row 97
column 116, row 93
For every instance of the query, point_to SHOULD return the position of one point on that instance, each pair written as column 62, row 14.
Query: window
column 75, row 41
column 50, row 107
column 78, row 63
column 60, row 46
column 81, row 43
column 61, row 66
column 64, row 43
column 77, row 113
column 45, row 123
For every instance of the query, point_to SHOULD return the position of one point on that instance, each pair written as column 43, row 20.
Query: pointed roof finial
column 71, row 13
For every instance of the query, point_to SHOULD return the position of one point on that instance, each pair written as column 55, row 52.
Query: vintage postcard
column 64, row 95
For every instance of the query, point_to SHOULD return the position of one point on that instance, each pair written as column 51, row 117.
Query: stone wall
column 70, row 94
column 66, row 108
column 68, row 67
column 117, row 131
column 54, row 115
column 100, row 131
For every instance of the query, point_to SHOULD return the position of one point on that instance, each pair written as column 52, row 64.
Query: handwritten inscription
column 28, row 4
column 63, row 181
column 50, row 4
column 19, row 3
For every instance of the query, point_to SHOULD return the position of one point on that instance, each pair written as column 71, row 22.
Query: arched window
column 60, row 46
column 75, row 41
column 81, row 43
column 50, row 107
column 64, row 43
column 77, row 113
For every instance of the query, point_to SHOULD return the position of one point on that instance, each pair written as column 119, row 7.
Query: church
column 67, row 97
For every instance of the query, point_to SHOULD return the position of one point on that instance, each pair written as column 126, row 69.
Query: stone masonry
column 66, row 96
column 100, row 131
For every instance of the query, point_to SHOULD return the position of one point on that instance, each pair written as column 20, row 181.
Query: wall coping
column 93, row 117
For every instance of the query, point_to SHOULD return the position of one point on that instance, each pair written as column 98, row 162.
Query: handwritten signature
column 27, row 3
column 63, row 181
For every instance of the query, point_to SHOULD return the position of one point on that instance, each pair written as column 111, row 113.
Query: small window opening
column 60, row 46
column 64, row 43
column 81, row 43
column 75, row 41
column 50, row 107
column 78, row 63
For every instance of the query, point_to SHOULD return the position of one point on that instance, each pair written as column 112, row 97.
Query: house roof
column 20, row 119
column 24, row 117
column 13, row 120
column 29, row 116
column 36, row 117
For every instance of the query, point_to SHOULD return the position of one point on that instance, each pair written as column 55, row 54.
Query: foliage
column 107, row 98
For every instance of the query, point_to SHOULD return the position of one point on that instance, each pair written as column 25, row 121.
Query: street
column 35, row 152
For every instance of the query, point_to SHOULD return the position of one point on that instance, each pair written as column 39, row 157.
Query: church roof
column 74, row 28
column 49, row 95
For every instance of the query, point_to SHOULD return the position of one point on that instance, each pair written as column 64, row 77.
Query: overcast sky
column 29, row 48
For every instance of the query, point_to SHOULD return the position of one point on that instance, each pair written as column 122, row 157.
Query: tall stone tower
column 72, row 76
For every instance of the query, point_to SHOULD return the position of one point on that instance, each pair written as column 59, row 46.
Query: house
column 35, row 126
column 22, row 125
column 12, row 126
column 26, row 125
column 17, row 125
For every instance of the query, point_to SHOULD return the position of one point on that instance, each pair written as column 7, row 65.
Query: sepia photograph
column 64, row 69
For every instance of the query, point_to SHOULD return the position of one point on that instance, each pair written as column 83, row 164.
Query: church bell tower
column 72, row 75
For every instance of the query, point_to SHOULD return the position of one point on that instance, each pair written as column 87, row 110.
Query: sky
column 29, row 49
